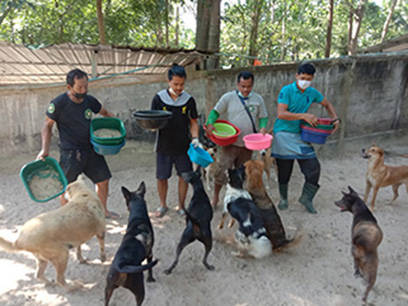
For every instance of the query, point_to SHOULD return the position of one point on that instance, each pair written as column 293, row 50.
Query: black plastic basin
column 152, row 119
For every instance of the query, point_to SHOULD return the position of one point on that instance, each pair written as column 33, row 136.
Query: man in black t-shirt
column 173, row 140
column 72, row 111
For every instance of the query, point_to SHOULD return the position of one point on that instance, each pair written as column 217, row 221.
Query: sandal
column 181, row 212
column 161, row 211
column 112, row 215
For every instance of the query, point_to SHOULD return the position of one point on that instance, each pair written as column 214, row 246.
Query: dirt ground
column 318, row 271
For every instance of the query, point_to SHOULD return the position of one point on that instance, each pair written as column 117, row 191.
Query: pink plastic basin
column 257, row 141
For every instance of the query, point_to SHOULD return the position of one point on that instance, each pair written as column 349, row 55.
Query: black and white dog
column 251, row 234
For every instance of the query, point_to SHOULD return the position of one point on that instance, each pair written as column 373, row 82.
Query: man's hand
column 263, row 131
column 196, row 143
column 210, row 129
column 336, row 125
column 42, row 155
column 310, row 118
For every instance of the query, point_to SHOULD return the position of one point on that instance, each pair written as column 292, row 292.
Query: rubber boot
column 283, row 191
column 306, row 199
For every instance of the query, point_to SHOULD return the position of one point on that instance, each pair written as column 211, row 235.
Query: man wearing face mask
column 72, row 111
column 294, row 101
column 172, row 141
column 245, row 109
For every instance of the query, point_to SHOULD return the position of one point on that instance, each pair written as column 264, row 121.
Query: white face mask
column 304, row 84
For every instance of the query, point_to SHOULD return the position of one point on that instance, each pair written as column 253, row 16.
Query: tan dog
column 380, row 175
column 209, row 172
column 269, row 163
column 271, row 219
column 49, row 236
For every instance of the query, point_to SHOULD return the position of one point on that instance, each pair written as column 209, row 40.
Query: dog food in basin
column 107, row 133
column 257, row 141
column 43, row 179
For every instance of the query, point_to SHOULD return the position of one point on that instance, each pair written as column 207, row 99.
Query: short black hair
column 75, row 74
column 177, row 70
column 246, row 75
column 307, row 69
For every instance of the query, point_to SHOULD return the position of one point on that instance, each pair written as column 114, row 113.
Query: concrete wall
column 370, row 94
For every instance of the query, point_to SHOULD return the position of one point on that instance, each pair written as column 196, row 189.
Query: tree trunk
column 101, row 27
column 356, row 25
column 214, row 34
column 177, row 25
column 283, row 34
column 166, row 21
column 329, row 29
column 388, row 20
column 253, row 37
column 203, row 23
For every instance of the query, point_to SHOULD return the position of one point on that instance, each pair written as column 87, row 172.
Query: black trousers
column 309, row 167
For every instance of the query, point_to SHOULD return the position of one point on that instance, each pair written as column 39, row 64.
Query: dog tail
column 135, row 269
column 8, row 246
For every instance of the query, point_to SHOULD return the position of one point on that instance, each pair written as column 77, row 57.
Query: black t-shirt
column 175, row 138
column 73, row 120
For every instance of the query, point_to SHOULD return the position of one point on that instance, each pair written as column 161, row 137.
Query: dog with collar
column 251, row 235
column 380, row 175
column 272, row 221
column 136, row 246
column 366, row 236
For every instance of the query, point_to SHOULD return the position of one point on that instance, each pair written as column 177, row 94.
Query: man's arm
column 284, row 114
column 194, row 128
column 105, row 113
column 46, row 133
column 332, row 113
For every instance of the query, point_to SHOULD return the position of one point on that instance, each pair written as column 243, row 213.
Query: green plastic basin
column 107, row 123
column 224, row 129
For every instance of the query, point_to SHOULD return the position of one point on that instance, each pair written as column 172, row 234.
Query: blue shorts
column 93, row 165
column 164, row 165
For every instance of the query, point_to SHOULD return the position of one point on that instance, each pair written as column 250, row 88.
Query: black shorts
column 93, row 165
column 164, row 165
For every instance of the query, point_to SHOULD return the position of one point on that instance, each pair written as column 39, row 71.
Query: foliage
column 287, row 30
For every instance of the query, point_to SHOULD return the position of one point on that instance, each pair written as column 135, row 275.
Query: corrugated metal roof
column 22, row 65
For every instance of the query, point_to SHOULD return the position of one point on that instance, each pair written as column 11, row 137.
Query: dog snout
column 364, row 153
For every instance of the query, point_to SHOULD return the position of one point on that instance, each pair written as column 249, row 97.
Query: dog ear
column 141, row 189
column 352, row 191
column 126, row 193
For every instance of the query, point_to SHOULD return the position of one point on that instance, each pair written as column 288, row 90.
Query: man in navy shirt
column 72, row 111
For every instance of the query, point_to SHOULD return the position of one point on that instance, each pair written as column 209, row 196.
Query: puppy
column 380, row 175
column 49, row 236
column 366, row 235
column 198, row 220
column 209, row 172
column 136, row 246
column 251, row 235
column 271, row 219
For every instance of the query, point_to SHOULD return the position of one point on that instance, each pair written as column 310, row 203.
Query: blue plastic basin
column 199, row 156
column 107, row 149
column 314, row 137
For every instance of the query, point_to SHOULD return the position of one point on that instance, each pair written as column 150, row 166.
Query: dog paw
column 167, row 271
column 209, row 267
column 151, row 279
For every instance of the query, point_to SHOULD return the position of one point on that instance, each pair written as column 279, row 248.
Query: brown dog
column 50, row 235
column 272, row 221
column 366, row 236
column 380, row 175
column 269, row 162
column 209, row 172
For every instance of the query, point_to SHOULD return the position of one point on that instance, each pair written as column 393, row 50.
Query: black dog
column 251, row 235
column 198, row 219
column 137, row 244
column 366, row 236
